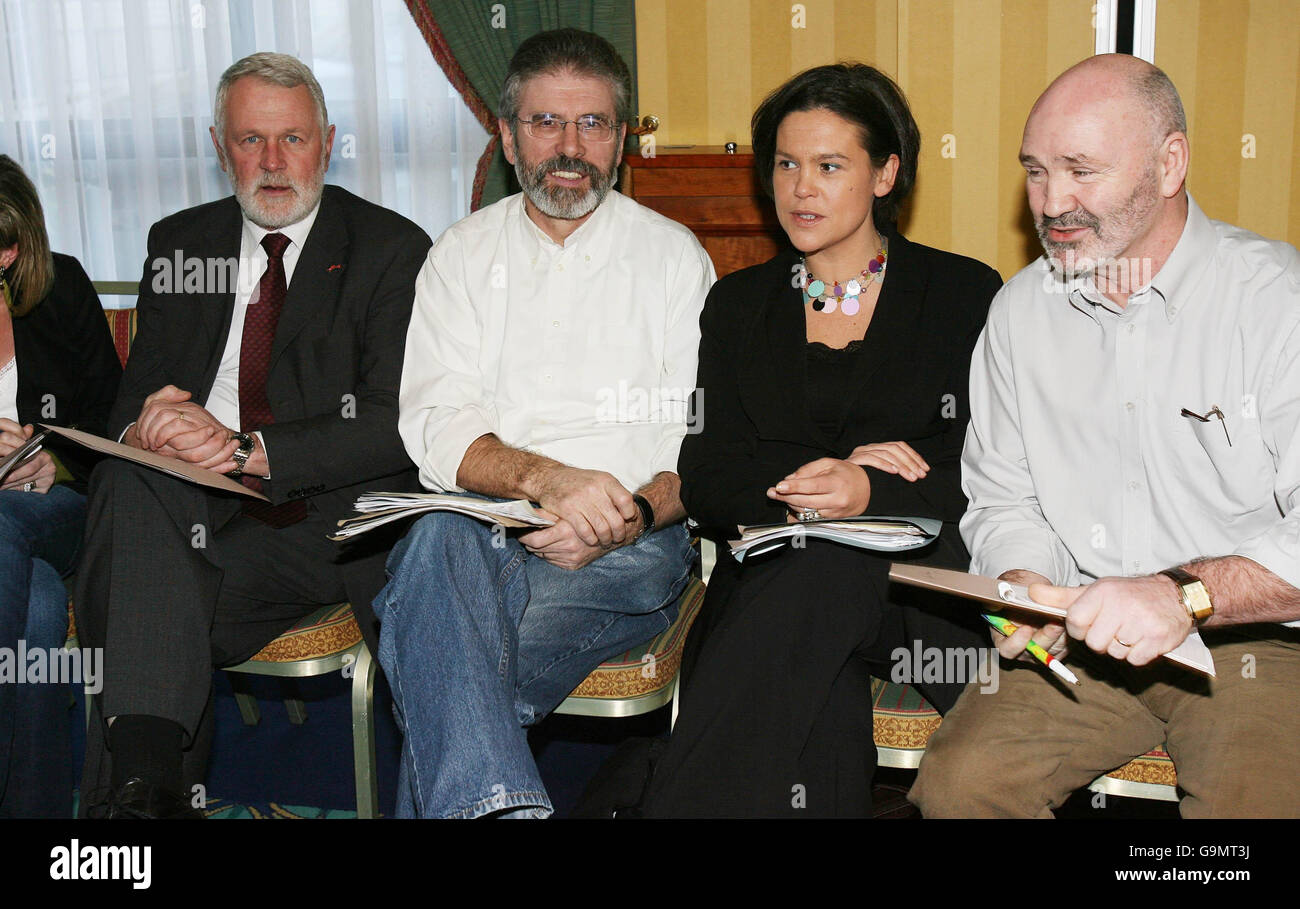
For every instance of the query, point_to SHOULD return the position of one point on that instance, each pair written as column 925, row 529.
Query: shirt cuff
column 443, row 458
column 266, row 454
column 1025, row 551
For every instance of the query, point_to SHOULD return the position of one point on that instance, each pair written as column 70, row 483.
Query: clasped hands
column 593, row 515
column 1136, row 620
column 841, row 488
column 172, row 425
column 38, row 470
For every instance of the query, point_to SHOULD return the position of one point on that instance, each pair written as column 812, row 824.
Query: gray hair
column 281, row 69
column 1157, row 93
column 567, row 50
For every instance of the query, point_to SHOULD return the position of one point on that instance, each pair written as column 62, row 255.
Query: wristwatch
column 647, row 516
column 1194, row 594
column 240, row 454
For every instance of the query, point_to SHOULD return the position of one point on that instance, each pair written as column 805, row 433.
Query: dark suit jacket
column 910, row 385
column 336, row 360
column 68, row 370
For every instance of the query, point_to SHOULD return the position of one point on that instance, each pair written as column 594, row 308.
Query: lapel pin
column 335, row 268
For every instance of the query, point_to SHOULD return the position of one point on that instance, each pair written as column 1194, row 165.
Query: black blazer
column 68, row 371
column 336, row 361
column 910, row 385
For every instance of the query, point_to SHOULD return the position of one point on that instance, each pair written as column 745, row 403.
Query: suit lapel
column 223, row 238
column 317, row 278
column 777, row 373
column 896, row 322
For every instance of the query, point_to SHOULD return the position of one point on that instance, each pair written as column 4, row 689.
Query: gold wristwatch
column 1194, row 594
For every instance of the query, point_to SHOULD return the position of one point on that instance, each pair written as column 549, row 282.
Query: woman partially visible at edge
column 833, row 382
column 57, row 366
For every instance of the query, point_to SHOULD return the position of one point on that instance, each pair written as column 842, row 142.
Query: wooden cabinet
column 715, row 194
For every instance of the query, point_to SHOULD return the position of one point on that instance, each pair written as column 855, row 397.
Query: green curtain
column 473, row 41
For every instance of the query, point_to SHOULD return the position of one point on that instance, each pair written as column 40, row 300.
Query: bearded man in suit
column 270, row 343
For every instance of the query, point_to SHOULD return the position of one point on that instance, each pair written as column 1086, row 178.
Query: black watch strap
column 647, row 515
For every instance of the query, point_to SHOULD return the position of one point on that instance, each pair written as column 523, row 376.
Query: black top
column 827, row 385
column 908, row 383
column 68, row 370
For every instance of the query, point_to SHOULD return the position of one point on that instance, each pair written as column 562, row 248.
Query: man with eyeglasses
column 549, row 358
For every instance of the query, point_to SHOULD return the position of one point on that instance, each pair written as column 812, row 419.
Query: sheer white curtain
column 107, row 104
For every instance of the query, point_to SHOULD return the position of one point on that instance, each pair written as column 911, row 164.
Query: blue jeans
column 39, row 539
column 479, row 640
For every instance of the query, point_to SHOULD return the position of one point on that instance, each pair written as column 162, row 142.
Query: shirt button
column 548, row 378
column 1130, row 406
column 586, row 258
column 1132, row 328
column 1132, row 485
column 556, row 323
column 559, row 267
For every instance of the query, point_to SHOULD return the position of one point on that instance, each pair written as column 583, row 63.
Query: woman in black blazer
column 57, row 366
column 833, row 382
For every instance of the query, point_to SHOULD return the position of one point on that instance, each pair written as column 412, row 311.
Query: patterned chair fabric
column 645, row 670
column 904, row 722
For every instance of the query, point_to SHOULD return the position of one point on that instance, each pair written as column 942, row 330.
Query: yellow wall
column 1236, row 64
column 971, row 70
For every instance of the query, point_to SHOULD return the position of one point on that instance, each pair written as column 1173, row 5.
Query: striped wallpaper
column 971, row 70
column 1236, row 64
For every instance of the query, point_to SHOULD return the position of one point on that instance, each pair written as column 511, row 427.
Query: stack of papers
column 379, row 508
column 884, row 534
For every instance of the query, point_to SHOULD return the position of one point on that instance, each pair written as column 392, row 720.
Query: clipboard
column 1191, row 653
column 174, row 467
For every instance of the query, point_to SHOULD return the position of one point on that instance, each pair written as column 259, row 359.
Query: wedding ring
column 809, row 514
column 28, row 487
column 1122, row 642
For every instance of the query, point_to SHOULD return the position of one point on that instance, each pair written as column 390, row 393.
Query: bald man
column 1134, row 455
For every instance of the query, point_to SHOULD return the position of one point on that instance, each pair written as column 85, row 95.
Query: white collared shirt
column 1079, row 462
column 223, row 399
column 584, row 353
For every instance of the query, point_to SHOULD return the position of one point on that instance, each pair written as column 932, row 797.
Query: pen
column 1008, row 628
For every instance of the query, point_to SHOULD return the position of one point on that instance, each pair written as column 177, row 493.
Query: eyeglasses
column 549, row 126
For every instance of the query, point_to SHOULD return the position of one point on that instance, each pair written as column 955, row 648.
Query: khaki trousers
column 1022, row 750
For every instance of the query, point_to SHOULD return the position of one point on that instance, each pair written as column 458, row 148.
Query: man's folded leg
column 448, row 620
column 467, row 617
column 576, row 620
column 1021, row 750
column 174, row 581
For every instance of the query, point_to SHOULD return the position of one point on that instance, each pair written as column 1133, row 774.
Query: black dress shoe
column 139, row 799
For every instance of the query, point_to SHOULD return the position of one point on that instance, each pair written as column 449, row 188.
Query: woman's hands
column 891, row 457
column 842, row 489
column 39, row 469
column 836, row 489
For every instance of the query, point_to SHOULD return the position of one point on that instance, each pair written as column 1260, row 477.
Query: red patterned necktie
column 260, row 319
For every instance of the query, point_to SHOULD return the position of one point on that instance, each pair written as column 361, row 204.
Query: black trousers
column 776, row 717
column 174, row 582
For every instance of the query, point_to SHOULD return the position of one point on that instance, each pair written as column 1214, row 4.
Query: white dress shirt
column 584, row 352
column 223, row 399
column 1079, row 462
